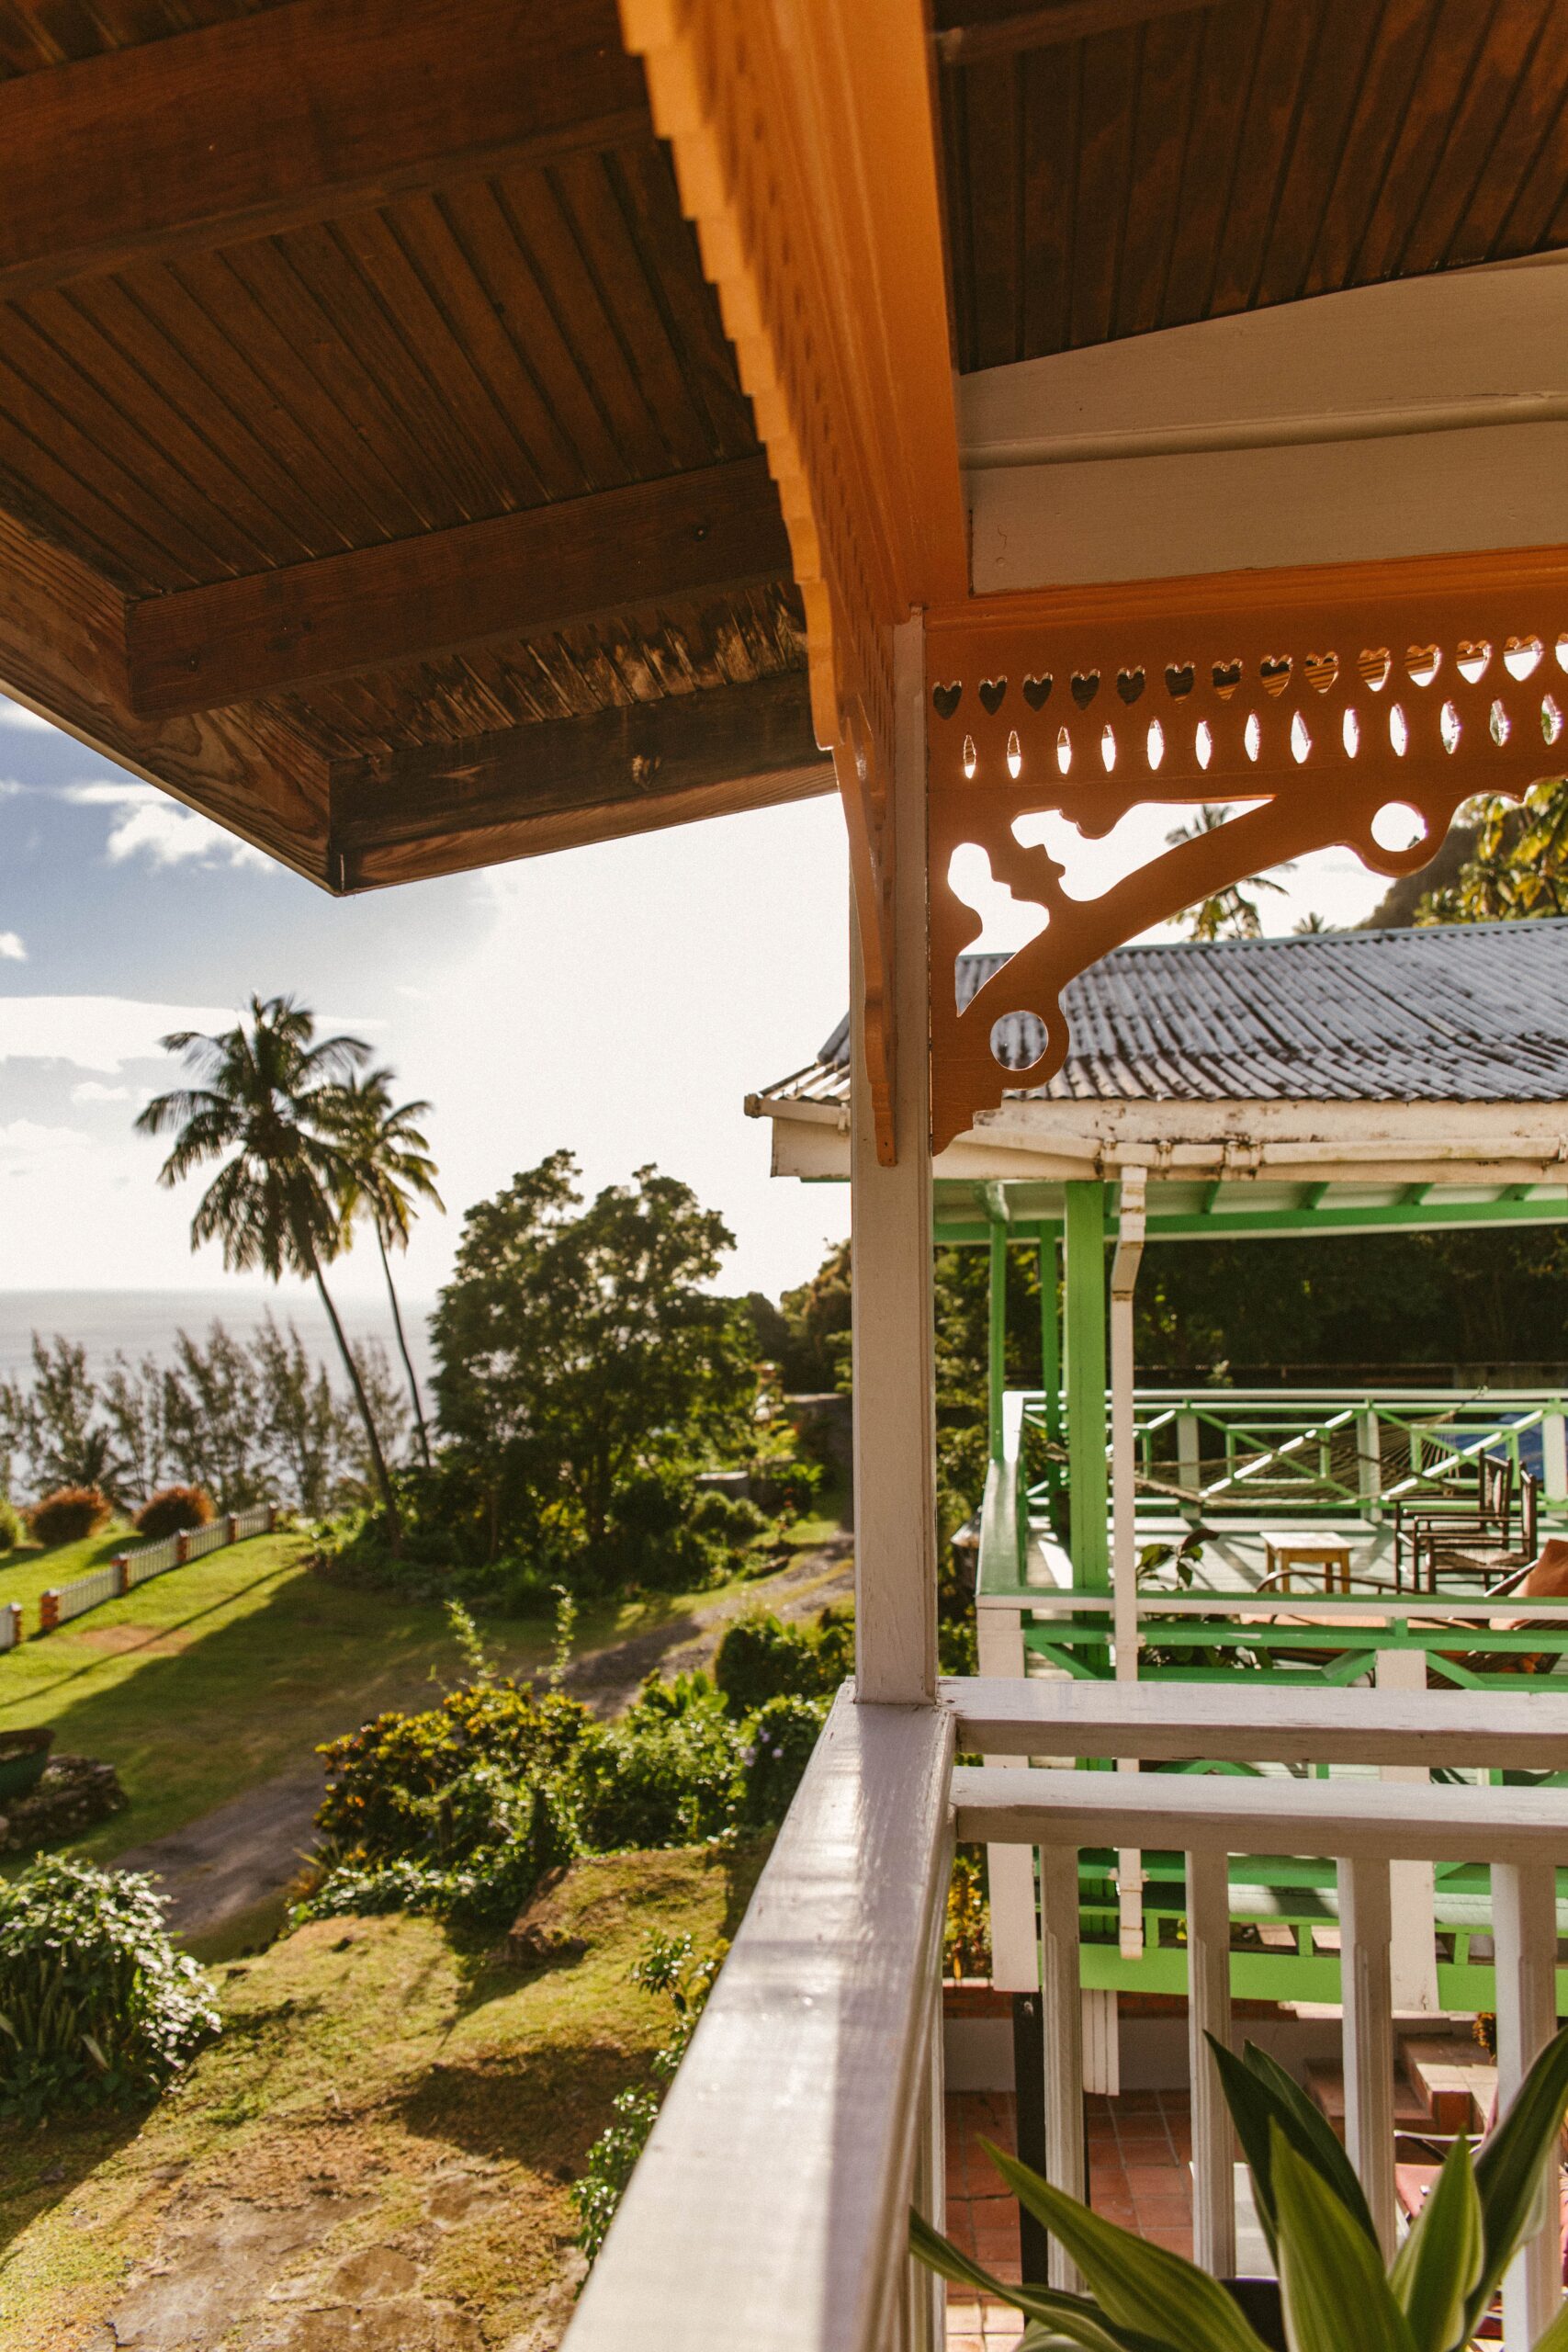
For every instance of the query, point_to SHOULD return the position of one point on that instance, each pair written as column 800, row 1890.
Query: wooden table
column 1287, row 1550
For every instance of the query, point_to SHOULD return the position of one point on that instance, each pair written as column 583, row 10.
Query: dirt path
column 238, row 1860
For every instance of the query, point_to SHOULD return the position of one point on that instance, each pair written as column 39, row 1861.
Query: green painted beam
column 1087, row 1431
column 996, row 1338
column 1051, row 1335
column 1393, row 1216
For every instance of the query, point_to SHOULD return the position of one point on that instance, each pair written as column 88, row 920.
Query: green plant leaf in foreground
column 1437, row 2268
column 1510, row 2163
column 1059, row 2315
column 1331, row 2274
column 1261, row 2097
column 1138, row 2285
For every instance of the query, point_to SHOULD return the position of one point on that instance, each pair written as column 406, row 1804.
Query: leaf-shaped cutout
column 1130, row 684
column 992, row 691
column 1086, row 686
column 1422, row 664
column 1374, row 663
column 1275, row 671
column 1322, row 669
column 1473, row 657
column 970, row 762
column 1179, row 679
column 946, row 700
column 1227, row 677
column 1037, row 691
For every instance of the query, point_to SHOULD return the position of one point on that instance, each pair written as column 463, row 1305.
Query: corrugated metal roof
column 1462, row 1012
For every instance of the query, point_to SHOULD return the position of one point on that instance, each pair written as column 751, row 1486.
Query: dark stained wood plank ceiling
column 1191, row 161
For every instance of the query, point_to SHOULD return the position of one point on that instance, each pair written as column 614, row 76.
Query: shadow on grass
column 41, row 2167
column 547, row 2106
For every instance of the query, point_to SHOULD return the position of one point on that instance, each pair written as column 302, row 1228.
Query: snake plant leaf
column 1511, row 2163
column 1059, row 2317
column 1137, row 2286
column 1556, row 2336
column 1331, row 2274
column 1261, row 2097
column 1437, row 2268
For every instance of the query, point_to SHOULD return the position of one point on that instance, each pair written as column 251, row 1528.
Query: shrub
column 652, row 1537
column 732, row 1521
column 761, row 1657
column 668, row 1965
column 68, row 1515
column 173, row 1510
column 667, row 1774
column 96, row 2006
column 520, row 1833
column 11, row 1528
column 784, row 1733
column 423, row 1786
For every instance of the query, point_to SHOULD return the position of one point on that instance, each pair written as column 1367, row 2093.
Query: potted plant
column 1333, row 2293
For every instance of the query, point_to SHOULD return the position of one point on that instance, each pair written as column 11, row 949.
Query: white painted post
column 1369, row 1462
column 1413, row 1959
column 1100, row 2014
column 1209, row 2010
column 893, row 1343
column 1366, row 1990
column 1524, row 1927
column 1189, row 1458
column 1009, row 1869
column 1123, row 1516
column 1554, row 1454
column 1062, row 2021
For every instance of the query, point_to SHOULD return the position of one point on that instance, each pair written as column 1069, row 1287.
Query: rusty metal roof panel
column 1471, row 1012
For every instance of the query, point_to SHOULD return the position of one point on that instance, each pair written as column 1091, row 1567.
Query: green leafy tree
column 579, row 1352
column 1517, row 866
column 1228, row 913
column 267, row 1101
column 390, row 1170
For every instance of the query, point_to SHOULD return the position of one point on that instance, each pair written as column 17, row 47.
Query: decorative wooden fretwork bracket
column 1321, row 697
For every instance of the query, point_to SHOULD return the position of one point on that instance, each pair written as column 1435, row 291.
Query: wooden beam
column 202, row 648
column 1051, row 27
column 295, row 114
column 558, row 782
column 62, row 654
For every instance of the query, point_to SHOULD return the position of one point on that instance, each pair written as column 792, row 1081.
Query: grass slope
column 379, row 2149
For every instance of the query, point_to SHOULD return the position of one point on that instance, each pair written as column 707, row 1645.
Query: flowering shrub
column 668, row 1964
column 173, row 1510
column 96, row 2006
column 406, row 1784
column 68, row 1515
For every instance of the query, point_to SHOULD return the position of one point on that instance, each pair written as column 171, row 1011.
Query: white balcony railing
column 768, row 2213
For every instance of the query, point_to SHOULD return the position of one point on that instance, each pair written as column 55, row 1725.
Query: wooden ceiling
column 1115, row 166
column 357, row 446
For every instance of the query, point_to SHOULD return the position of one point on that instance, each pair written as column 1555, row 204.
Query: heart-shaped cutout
column 1520, row 656
column 1037, row 691
column 992, row 691
column 1178, row 677
column 946, row 699
column 1472, row 658
column 1227, row 677
column 1374, row 664
column 1322, row 669
column 1130, row 684
column 1086, row 686
column 1275, row 671
column 1422, row 664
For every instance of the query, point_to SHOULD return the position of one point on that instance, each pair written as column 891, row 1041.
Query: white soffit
column 1420, row 417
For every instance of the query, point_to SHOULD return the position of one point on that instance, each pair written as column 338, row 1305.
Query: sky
column 619, row 1001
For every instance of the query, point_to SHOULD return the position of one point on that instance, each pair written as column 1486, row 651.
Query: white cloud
column 15, row 714
column 93, row 1089
column 96, row 1032
column 150, row 824
column 27, row 1134
column 11, row 948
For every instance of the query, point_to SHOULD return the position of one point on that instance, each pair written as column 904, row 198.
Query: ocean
column 145, row 1322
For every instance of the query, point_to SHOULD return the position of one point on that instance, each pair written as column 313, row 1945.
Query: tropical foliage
column 669, row 1965
column 1333, row 2289
column 96, row 2006
column 1517, row 867
column 390, row 1170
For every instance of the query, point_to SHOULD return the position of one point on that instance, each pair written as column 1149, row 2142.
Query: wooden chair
column 1449, row 1550
column 1482, row 1515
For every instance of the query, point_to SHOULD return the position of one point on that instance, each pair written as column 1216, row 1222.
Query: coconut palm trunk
column 403, row 1350
column 372, row 1435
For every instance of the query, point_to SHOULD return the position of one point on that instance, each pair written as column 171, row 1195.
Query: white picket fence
column 129, row 1569
column 10, row 1623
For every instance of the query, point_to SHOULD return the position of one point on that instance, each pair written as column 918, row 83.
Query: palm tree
column 389, row 1169
column 267, row 1100
column 1229, row 909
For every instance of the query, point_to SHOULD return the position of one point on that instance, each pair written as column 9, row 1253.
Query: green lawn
column 24, row 1574
column 227, row 1673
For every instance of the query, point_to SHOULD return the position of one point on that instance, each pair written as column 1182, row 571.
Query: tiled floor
column 1139, row 2150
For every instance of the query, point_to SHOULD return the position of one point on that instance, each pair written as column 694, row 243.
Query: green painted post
column 1086, row 1431
column 1051, row 1354
column 996, row 1337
